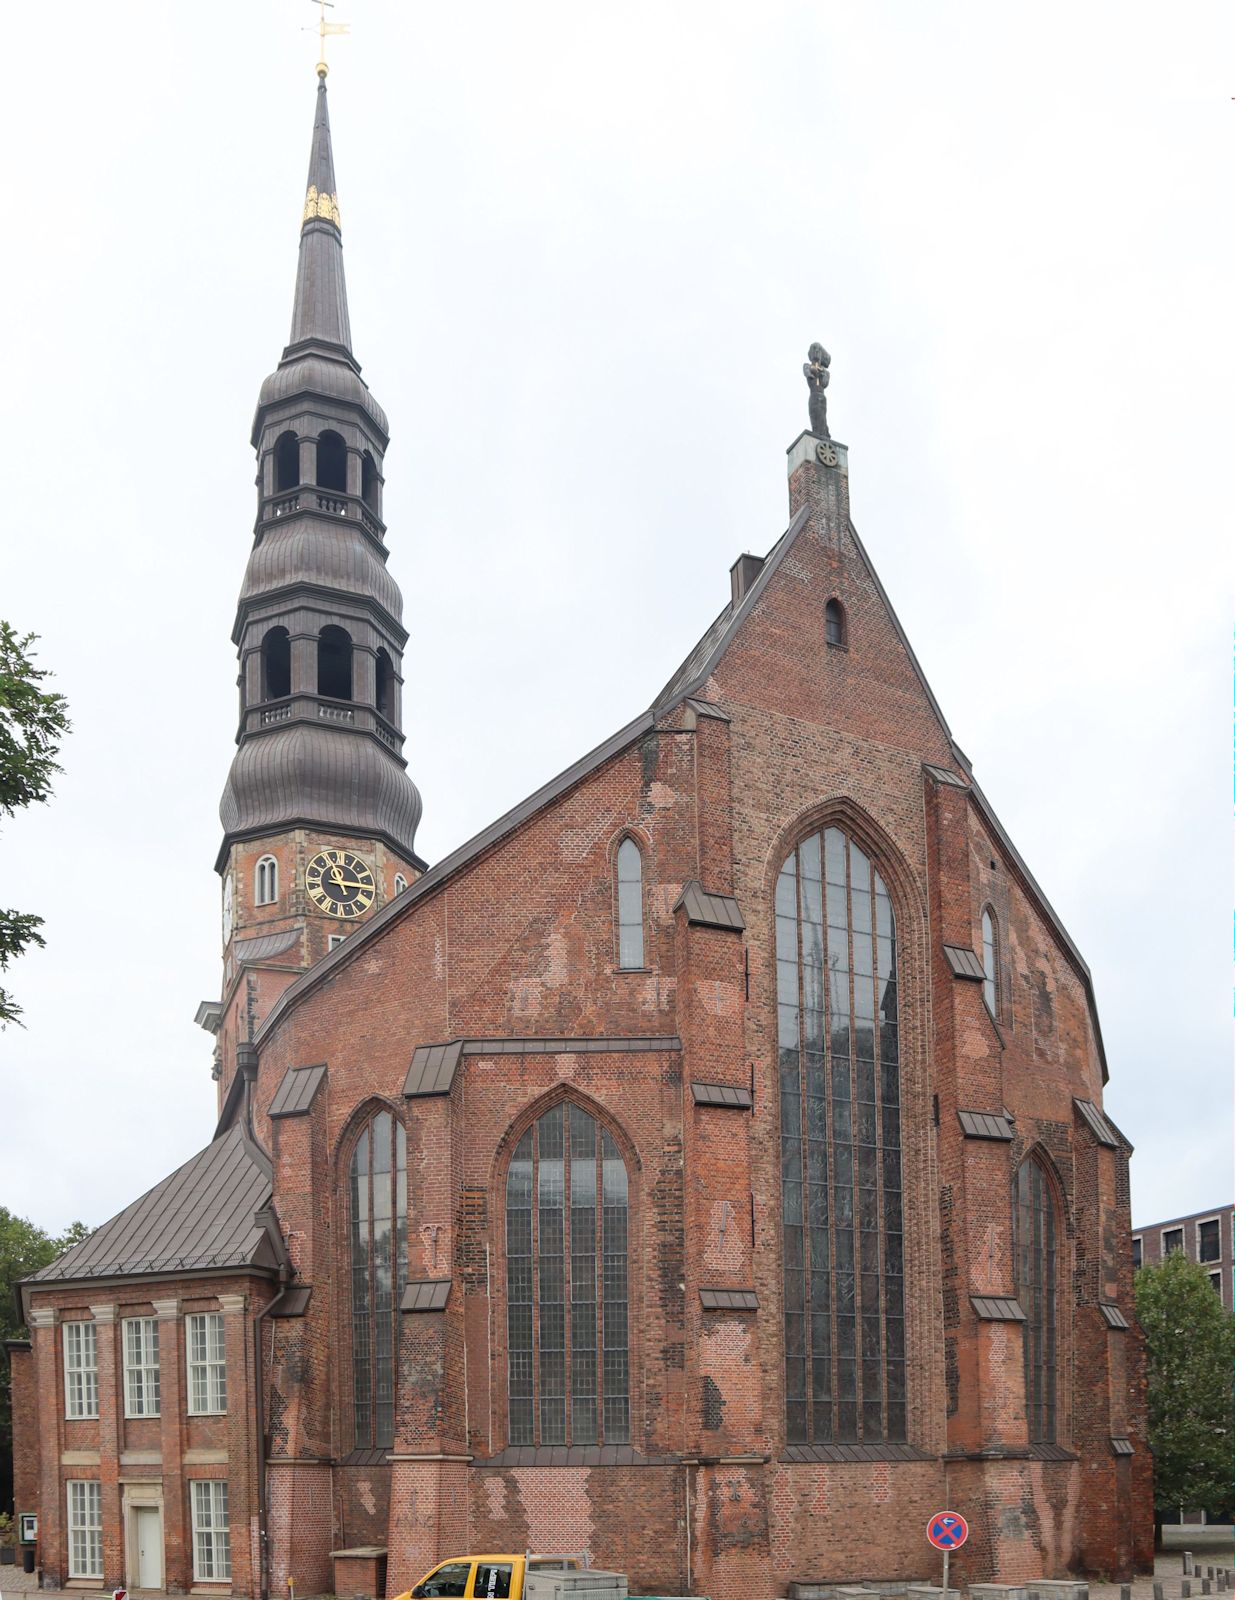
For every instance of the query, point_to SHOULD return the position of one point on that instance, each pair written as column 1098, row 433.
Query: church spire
column 319, row 310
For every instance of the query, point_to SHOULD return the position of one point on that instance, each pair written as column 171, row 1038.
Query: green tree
column 33, row 721
column 24, row 1248
column 1190, row 1358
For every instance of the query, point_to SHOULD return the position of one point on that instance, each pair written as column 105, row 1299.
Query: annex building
column 703, row 1167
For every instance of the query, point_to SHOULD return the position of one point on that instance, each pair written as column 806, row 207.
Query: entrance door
column 148, row 1526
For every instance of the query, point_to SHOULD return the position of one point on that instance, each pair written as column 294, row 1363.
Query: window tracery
column 377, row 1196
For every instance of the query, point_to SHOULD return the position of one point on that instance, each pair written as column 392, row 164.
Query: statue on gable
column 815, row 371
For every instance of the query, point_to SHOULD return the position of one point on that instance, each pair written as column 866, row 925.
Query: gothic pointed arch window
column 839, row 1066
column 567, row 1295
column 377, row 1244
column 990, row 962
column 630, row 904
column 266, row 881
column 1034, row 1241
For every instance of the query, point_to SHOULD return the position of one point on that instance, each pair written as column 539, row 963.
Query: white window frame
column 623, row 920
column 335, row 940
column 81, row 1369
column 990, row 975
column 1139, row 1239
column 85, row 1527
column 1217, row 1287
column 141, row 1366
column 207, row 1363
column 212, row 1534
column 400, row 883
column 266, row 882
column 1200, row 1221
column 1183, row 1235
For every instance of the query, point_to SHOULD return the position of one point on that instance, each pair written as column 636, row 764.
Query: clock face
column 227, row 908
column 340, row 884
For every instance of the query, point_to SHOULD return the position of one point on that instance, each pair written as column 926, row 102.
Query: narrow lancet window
column 567, row 1209
column 630, row 904
column 377, row 1194
column 839, row 1063
column 385, row 675
column 834, row 622
column 1034, row 1235
column 990, row 964
column 266, row 881
column 334, row 663
column 368, row 481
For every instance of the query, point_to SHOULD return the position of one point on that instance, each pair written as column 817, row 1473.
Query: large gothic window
column 840, row 1146
column 377, row 1191
column 566, row 1284
column 1034, row 1236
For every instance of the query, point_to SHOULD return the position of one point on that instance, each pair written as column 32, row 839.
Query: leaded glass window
column 839, row 1059
column 377, row 1186
column 990, row 964
column 630, row 904
column 567, row 1213
column 1034, row 1244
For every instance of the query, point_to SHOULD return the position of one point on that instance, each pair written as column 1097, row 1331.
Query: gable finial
column 323, row 29
column 815, row 371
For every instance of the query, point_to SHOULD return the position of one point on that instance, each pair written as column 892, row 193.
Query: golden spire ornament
column 324, row 29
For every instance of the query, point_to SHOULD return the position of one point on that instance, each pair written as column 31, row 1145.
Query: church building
column 704, row 1167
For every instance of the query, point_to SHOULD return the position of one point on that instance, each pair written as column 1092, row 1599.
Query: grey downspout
column 259, row 1405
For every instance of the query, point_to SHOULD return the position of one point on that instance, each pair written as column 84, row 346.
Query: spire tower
column 319, row 814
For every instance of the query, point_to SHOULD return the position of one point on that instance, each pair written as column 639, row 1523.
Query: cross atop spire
column 324, row 29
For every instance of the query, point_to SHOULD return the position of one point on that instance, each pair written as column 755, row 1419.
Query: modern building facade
column 1205, row 1236
column 704, row 1166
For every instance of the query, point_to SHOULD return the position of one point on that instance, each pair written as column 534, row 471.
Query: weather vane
column 324, row 29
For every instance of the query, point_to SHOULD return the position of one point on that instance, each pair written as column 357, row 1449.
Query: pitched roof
column 202, row 1216
column 706, row 910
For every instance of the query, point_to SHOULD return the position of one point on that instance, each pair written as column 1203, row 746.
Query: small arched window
column 368, row 481
column 567, row 1210
column 331, row 462
column 400, row 883
column 385, row 684
column 1033, row 1237
column 834, row 622
column 990, row 963
column 276, row 664
column 266, row 881
column 630, row 904
column 377, row 1204
column 286, row 462
column 334, row 663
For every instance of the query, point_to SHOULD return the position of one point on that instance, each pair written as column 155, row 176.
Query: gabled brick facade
column 468, row 1011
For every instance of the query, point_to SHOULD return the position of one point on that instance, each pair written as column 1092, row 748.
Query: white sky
column 587, row 249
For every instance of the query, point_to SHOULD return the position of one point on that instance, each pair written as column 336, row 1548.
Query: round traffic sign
column 947, row 1530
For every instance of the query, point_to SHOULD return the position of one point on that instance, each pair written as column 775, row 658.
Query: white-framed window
column 85, row 1528
column 81, row 1370
column 141, row 1367
column 212, row 1539
column 1215, row 1281
column 1136, row 1250
column 1209, row 1239
column 266, row 881
column 630, row 904
column 1172, row 1240
column 203, row 1331
column 335, row 940
column 400, row 883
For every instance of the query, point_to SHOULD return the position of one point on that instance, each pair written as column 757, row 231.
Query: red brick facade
column 514, row 952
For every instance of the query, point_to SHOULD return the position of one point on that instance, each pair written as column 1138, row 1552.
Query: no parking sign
column 947, row 1530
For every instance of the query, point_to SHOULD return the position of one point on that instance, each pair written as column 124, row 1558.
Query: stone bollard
column 1158, row 1592
column 1125, row 1591
column 1221, row 1579
column 1187, row 1563
column 1207, row 1586
column 1185, row 1589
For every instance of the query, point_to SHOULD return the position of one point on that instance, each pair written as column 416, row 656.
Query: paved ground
column 1168, row 1571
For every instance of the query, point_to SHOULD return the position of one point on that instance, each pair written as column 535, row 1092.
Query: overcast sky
column 587, row 248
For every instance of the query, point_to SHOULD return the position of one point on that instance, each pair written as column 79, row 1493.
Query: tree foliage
column 33, row 721
column 1190, row 1357
column 24, row 1248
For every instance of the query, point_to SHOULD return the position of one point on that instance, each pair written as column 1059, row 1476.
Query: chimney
column 742, row 575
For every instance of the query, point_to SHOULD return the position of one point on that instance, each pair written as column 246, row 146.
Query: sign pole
column 945, row 1575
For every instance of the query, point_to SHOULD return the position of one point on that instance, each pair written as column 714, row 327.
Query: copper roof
column 729, row 1299
column 963, row 962
column 722, row 1094
column 985, row 1124
column 996, row 1308
column 1113, row 1315
column 706, row 910
column 295, row 1094
column 202, row 1216
column 426, row 1294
